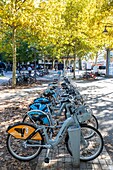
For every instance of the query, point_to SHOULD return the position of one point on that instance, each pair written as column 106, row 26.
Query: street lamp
column 108, row 53
column 105, row 28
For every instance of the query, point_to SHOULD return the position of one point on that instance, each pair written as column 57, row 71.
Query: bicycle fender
column 23, row 131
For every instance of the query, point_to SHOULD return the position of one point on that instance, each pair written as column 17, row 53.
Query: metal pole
column 107, row 61
column 74, row 66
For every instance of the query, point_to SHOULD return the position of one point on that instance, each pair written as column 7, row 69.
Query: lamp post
column 107, row 53
column 107, row 61
column 105, row 28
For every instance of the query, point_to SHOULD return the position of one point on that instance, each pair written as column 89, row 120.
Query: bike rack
column 74, row 137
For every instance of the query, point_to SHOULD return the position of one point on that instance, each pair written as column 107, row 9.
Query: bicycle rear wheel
column 31, row 80
column 90, row 147
column 18, row 148
column 27, row 119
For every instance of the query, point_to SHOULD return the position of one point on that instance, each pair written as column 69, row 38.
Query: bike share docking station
column 74, row 139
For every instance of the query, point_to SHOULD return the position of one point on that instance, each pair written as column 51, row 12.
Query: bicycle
column 26, row 141
column 23, row 79
column 46, row 107
column 89, row 75
column 43, row 110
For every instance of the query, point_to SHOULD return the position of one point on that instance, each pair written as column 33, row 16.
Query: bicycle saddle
column 48, row 93
column 44, row 102
column 40, row 99
column 52, row 87
column 38, row 106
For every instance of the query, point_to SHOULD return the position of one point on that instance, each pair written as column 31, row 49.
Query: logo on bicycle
column 21, row 131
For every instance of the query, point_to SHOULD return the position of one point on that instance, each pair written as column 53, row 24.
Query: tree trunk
column 53, row 63
column 14, row 56
column 74, row 66
column 35, row 64
column 96, row 58
column 44, row 60
column 80, row 64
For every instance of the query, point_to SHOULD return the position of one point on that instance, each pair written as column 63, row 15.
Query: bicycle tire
column 26, row 119
column 93, row 122
column 31, row 80
column 25, row 154
column 37, row 118
column 88, row 154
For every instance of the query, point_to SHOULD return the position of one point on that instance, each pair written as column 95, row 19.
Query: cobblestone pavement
column 59, row 157
column 61, row 160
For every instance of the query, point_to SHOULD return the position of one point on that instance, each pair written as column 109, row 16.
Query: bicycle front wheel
column 90, row 147
column 93, row 122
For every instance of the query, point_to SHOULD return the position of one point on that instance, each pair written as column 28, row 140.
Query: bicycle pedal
column 46, row 160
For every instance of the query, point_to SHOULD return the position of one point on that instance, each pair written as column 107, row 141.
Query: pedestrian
column 29, row 70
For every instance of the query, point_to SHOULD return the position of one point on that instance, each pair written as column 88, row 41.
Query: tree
column 58, row 28
column 15, row 14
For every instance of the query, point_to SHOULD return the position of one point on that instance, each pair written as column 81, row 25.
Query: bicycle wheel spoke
column 19, row 148
column 24, row 150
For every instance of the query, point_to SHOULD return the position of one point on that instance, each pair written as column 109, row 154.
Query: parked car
column 102, row 70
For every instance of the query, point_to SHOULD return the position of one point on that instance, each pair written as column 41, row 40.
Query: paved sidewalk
column 60, row 159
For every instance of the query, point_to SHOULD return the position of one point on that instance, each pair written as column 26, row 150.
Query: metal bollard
column 74, row 137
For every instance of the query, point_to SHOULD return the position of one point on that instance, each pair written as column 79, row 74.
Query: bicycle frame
column 63, row 106
column 49, row 143
column 82, row 114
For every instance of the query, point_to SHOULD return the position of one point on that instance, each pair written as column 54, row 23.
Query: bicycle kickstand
column 47, row 158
